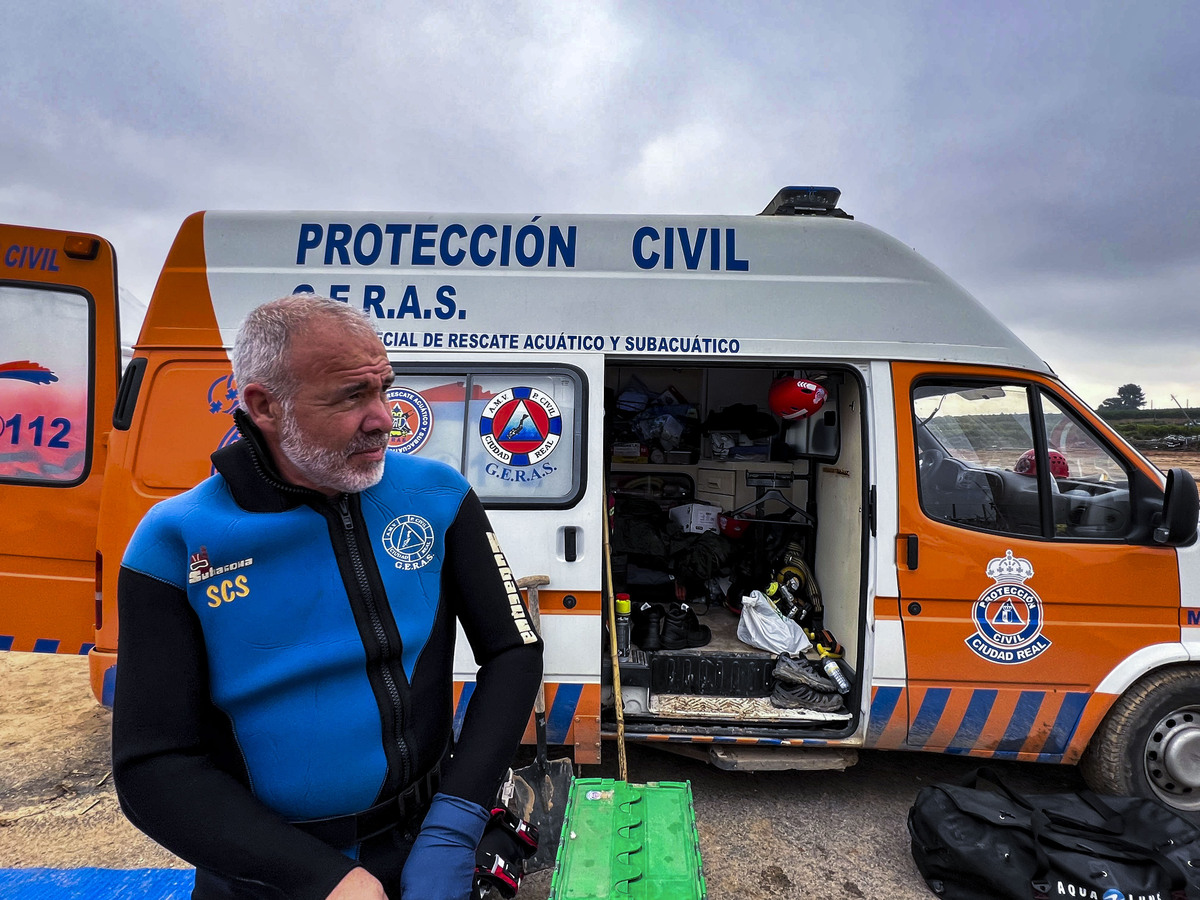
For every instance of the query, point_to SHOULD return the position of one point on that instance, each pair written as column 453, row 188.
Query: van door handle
column 911, row 554
column 570, row 543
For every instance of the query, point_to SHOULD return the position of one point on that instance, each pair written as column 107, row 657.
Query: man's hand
column 359, row 884
column 441, row 864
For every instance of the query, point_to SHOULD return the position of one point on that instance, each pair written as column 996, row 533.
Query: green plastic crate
column 628, row 840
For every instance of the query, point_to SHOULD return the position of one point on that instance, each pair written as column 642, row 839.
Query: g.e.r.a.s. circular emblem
column 409, row 541
column 412, row 420
column 1008, row 615
column 520, row 426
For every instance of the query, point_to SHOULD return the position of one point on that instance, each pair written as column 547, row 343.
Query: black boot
column 647, row 622
column 682, row 629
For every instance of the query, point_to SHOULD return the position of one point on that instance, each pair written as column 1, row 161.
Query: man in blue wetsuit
column 283, row 704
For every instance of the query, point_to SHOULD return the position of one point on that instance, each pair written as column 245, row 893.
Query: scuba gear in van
column 795, row 398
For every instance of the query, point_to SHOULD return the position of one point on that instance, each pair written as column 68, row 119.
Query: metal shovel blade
column 540, row 790
column 540, row 797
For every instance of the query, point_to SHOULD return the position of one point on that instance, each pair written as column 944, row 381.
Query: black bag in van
column 974, row 843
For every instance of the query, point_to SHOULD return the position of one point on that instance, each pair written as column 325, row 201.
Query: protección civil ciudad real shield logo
column 1008, row 615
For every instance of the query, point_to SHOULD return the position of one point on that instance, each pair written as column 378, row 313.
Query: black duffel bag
column 972, row 842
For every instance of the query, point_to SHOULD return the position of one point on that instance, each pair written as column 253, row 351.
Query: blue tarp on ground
column 93, row 884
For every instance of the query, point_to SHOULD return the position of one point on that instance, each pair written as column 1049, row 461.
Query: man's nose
column 378, row 417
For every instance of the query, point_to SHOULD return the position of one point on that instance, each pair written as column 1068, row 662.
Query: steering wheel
column 929, row 459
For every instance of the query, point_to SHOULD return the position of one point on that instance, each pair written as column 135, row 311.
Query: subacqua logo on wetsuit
column 409, row 540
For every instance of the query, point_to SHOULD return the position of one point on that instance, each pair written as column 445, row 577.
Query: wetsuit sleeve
column 174, row 761
column 506, row 647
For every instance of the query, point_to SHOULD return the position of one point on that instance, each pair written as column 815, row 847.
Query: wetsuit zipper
column 364, row 587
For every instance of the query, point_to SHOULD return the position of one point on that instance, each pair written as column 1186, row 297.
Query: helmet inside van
column 794, row 398
column 1027, row 464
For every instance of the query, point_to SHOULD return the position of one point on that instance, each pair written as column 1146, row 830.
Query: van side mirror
column 1181, row 507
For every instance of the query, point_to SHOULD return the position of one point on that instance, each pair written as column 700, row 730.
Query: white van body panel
column 1189, row 593
column 562, row 660
column 883, row 475
column 1138, row 664
column 865, row 295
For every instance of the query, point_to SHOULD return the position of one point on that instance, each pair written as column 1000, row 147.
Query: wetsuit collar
column 253, row 479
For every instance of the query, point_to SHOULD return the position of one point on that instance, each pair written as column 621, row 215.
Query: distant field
column 1167, row 459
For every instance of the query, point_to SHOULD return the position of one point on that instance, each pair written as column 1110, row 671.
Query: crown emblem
column 1009, row 569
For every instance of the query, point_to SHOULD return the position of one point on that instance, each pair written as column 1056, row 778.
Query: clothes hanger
column 776, row 495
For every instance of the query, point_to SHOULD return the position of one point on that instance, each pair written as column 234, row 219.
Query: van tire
column 1138, row 749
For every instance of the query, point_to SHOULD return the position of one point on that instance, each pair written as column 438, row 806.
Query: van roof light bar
column 805, row 201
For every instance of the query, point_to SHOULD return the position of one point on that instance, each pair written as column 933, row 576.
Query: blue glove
column 441, row 864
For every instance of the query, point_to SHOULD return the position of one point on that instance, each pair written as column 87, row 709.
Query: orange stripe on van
column 997, row 723
column 1093, row 714
column 570, row 602
column 887, row 608
column 888, row 729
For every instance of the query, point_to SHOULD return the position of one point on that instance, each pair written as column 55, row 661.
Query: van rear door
column 59, row 361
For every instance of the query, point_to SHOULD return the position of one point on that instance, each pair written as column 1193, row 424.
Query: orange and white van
column 1005, row 576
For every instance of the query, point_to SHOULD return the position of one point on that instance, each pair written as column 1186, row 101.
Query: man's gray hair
column 262, row 349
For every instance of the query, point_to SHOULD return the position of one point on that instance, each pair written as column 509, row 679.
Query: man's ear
column 263, row 409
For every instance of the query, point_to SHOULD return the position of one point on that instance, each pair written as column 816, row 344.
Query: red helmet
column 1027, row 464
column 795, row 398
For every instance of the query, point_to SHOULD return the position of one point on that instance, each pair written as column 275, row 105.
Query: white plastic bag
column 764, row 627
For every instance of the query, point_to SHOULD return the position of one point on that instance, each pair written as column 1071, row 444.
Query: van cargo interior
column 719, row 505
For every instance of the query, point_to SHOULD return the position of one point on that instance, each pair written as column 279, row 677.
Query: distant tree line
column 1128, row 405
column 1129, row 396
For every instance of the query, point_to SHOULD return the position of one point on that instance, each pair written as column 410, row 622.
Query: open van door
column 59, row 359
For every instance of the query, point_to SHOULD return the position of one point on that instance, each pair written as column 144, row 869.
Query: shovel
column 540, row 790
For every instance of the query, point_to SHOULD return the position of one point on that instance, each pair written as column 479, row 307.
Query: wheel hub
column 1172, row 758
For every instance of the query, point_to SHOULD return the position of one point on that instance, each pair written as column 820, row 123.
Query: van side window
column 978, row 467
column 1090, row 487
column 970, row 438
column 514, row 432
column 45, row 398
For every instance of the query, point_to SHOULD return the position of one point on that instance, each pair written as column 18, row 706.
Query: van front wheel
column 1149, row 743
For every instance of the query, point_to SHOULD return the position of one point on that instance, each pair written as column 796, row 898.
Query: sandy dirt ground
column 57, row 803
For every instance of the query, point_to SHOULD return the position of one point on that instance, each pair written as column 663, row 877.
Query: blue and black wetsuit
column 286, row 656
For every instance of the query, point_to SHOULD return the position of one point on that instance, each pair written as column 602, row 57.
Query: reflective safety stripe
column 563, row 704
column 980, row 722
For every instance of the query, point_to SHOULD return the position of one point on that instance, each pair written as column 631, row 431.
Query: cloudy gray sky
column 1041, row 154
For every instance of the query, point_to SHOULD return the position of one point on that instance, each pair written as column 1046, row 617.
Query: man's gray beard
column 328, row 468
